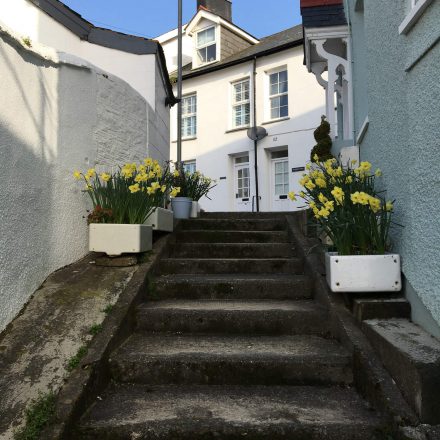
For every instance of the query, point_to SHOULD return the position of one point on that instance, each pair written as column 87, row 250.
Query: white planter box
column 363, row 273
column 116, row 239
column 161, row 220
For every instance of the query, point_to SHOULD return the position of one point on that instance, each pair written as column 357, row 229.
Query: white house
column 233, row 81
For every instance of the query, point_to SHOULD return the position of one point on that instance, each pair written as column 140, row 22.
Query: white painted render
column 57, row 116
column 215, row 147
column 31, row 22
column 169, row 40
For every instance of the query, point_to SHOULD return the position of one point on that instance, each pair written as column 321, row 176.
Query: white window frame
column 278, row 95
column 418, row 7
column 242, row 103
column 190, row 166
column 189, row 115
column 203, row 46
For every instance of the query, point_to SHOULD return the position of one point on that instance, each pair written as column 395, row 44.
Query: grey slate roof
column 106, row 37
column 273, row 43
column 318, row 16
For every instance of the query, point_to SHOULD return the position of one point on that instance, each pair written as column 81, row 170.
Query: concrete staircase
column 232, row 346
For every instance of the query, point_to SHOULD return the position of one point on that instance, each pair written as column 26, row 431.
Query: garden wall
column 58, row 113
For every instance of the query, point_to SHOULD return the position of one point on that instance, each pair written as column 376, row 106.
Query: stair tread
column 200, row 278
column 186, row 412
column 245, row 305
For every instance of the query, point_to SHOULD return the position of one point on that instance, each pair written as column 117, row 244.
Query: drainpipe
column 179, row 86
column 254, row 87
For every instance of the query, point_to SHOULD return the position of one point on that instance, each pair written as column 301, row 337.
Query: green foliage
column 195, row 185
column 108, row 308
column 324, row 142
column 348, row 208
column 95, row 329
column 27, row 41
column 76, row 359
column 38, row 415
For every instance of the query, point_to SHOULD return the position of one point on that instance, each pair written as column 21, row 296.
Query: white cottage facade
column 233, row 81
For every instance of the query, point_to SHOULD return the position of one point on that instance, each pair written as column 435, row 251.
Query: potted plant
column 122, row 203
column 198, row 186
column 357, row 220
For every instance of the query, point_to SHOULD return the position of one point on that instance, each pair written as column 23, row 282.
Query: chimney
column 223, row 8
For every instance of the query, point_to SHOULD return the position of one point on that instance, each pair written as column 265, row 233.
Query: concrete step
column 133, row 411
column 230, row 265
column 232, row 237
column 236, row 224
column 248, row 215
column 233, row 250
column 231, row 360
column 249, row 317
column 412, row 357
column 275, row 287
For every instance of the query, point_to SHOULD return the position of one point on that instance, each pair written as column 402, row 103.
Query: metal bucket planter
column 363, row 273
column 181, row 207
column 116, row 239
column 161, row 219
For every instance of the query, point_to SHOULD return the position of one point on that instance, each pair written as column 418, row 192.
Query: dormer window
column 206, row 45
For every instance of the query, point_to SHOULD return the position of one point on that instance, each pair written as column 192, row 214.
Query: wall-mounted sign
column 297, row 169
column 222, row 178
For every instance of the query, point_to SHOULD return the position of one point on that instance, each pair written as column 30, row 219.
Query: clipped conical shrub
column 324, row 142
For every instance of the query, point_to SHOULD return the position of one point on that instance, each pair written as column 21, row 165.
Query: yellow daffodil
column 308, row 166
column 304, row 180
column 374, row 204
column 148, row 161
column 330, row 205
column 164, row 188
column 323, row 212
column 354, row 162
column 292, row 196
column 176, row 173
column 338, row 195
column 142, row 168
column 322, row 198
column 151, row 175
column 134, row 188
column 88, row 187
column 105, row 177
column 312, row 205
column 155, row 185
column 389, row 206
column 141, row 177
column 365, row 166
column 77, row 175
column 175, row 191
column 310, row 185
column 316, row 158
column 378, row 172
column 321, row 182
column 91, row 172
column 302, row 194
column 349, row 179
column 150, row 190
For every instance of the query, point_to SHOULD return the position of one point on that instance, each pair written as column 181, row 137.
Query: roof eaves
column 235, row 62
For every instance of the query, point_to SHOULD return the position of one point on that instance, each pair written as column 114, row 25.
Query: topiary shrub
column 324, row 142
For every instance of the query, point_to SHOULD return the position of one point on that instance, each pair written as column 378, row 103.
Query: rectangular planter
column 117, row 239
column 363, row 273
column 161, row 220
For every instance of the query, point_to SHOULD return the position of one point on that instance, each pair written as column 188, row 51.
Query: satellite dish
column 257, row 133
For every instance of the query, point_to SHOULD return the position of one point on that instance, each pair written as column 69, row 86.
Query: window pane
column 284, row 112
column 206, row 36
column 283, row 76
column 211, row 52
column 274, row 103
column 283, row 87
column 274, row 89
column 284, row 100
column 274, row 78
column 275, row 113
column 202, row 55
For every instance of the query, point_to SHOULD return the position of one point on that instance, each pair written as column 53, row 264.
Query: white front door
column 280, row 184
column 242, row 188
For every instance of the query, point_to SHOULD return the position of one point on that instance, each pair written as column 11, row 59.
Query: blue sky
column 151, row 18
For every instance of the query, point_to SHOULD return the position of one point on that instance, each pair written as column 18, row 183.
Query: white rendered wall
column 26, row 19
column 169, row 44
column 214, row 147
column 56, row 117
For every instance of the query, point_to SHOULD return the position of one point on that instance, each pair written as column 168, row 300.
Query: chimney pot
column 223, row 8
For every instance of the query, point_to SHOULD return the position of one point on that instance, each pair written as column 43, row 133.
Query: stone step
column 275, row 287
column 230, row 265
column 231, row 237
column 133, row 411
column 235, row 224
column 233, row 250
column 231, row 360
column 249, row 317
column 248, row 215
column 412, row 356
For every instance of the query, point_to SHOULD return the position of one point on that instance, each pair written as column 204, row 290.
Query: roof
column 106, row 37
column 325, row 15
column 272, row 44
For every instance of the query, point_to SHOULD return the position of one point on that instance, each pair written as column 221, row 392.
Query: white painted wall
column 215, row 146
column 169, row 44
column 56, row 117
column 29, row 21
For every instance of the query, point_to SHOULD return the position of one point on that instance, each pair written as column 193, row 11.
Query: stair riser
column 221, row 371
column 229, row 322
column 232, row 290
column 291, row 266
column 231, row 237
column 210, row 430
column 235, row 225
column 256, row 250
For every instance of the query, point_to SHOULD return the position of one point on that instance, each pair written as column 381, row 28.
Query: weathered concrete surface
column 36, row 347
column 257, row 413
column 237, row 224
column 231, row 360
column 213, row 236
column 381, row 308
column 421, row 432
column 412, row 357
